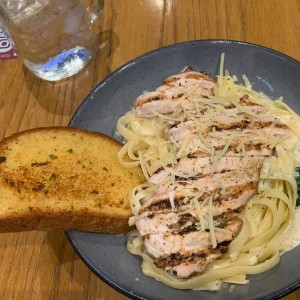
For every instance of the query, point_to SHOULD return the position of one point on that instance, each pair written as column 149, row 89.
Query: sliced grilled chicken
column 188, row 252
column 160, row 216
column 186, row 266
column 203, row 138
column 163, row 99
column 160, row 244
column 202, row 191
column 191, row 166
column 169, row 221
column 186, row 79
column 209, row 183
column 151, row 103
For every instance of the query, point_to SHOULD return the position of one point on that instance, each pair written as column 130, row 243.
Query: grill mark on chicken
column 168, row 242
column 207, row 183
column 199, row 166
column 176, row 263
column 230, row 124
column 154, row 96
column 178, row 259
column 243, row 124
column 161, row 212
column 186, row 75
column 193, row 267
column 187, row 222
column 251, row 151
column 205, row 166
column 219, row 138
column 163, row 99
column 232, row 114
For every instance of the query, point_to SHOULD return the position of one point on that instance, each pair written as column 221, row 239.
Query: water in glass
column 54, row 37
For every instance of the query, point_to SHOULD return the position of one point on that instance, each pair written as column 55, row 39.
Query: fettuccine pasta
column 266, row 216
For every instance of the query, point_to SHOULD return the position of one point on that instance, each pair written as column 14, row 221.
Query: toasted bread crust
column 65, row 220
column 64, row 178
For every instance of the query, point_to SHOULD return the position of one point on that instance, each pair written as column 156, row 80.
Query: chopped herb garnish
column 11, row 183
column 30, row 208
column 53, row 177
column 39, row 164
column 70, row 151
column 94, row 192
column 105, row 169
column 52, row 156
column 2, row 159
column 45, row 191
column 38, row 187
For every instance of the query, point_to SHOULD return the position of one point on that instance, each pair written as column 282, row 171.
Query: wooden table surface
column 43, row 265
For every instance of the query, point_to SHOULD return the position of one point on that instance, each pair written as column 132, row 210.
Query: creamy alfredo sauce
column 292, row 238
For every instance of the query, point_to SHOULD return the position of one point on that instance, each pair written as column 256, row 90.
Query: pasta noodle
column 266, row 216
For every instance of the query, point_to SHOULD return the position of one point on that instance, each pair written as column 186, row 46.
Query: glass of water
column 55, row 38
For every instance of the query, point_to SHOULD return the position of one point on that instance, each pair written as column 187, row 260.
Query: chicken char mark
column 163, row 99
column 196, row 166
column 188, row 223
column 187, row 263
column 164, row 204
column 195, row 257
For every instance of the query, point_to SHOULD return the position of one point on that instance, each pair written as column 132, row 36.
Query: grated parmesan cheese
column 211, row 222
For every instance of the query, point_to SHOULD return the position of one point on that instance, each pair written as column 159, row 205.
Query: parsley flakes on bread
column 64, row 178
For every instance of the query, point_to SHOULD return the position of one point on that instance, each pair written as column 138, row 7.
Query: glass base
column 61, row 66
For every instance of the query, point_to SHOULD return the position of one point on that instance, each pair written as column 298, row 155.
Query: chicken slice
column 160, row 217
column 188, row 254
column 163, row 99
column 190, row 166
column 191, row 265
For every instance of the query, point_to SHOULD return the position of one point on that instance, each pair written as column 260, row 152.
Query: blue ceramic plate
column 269, row 71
